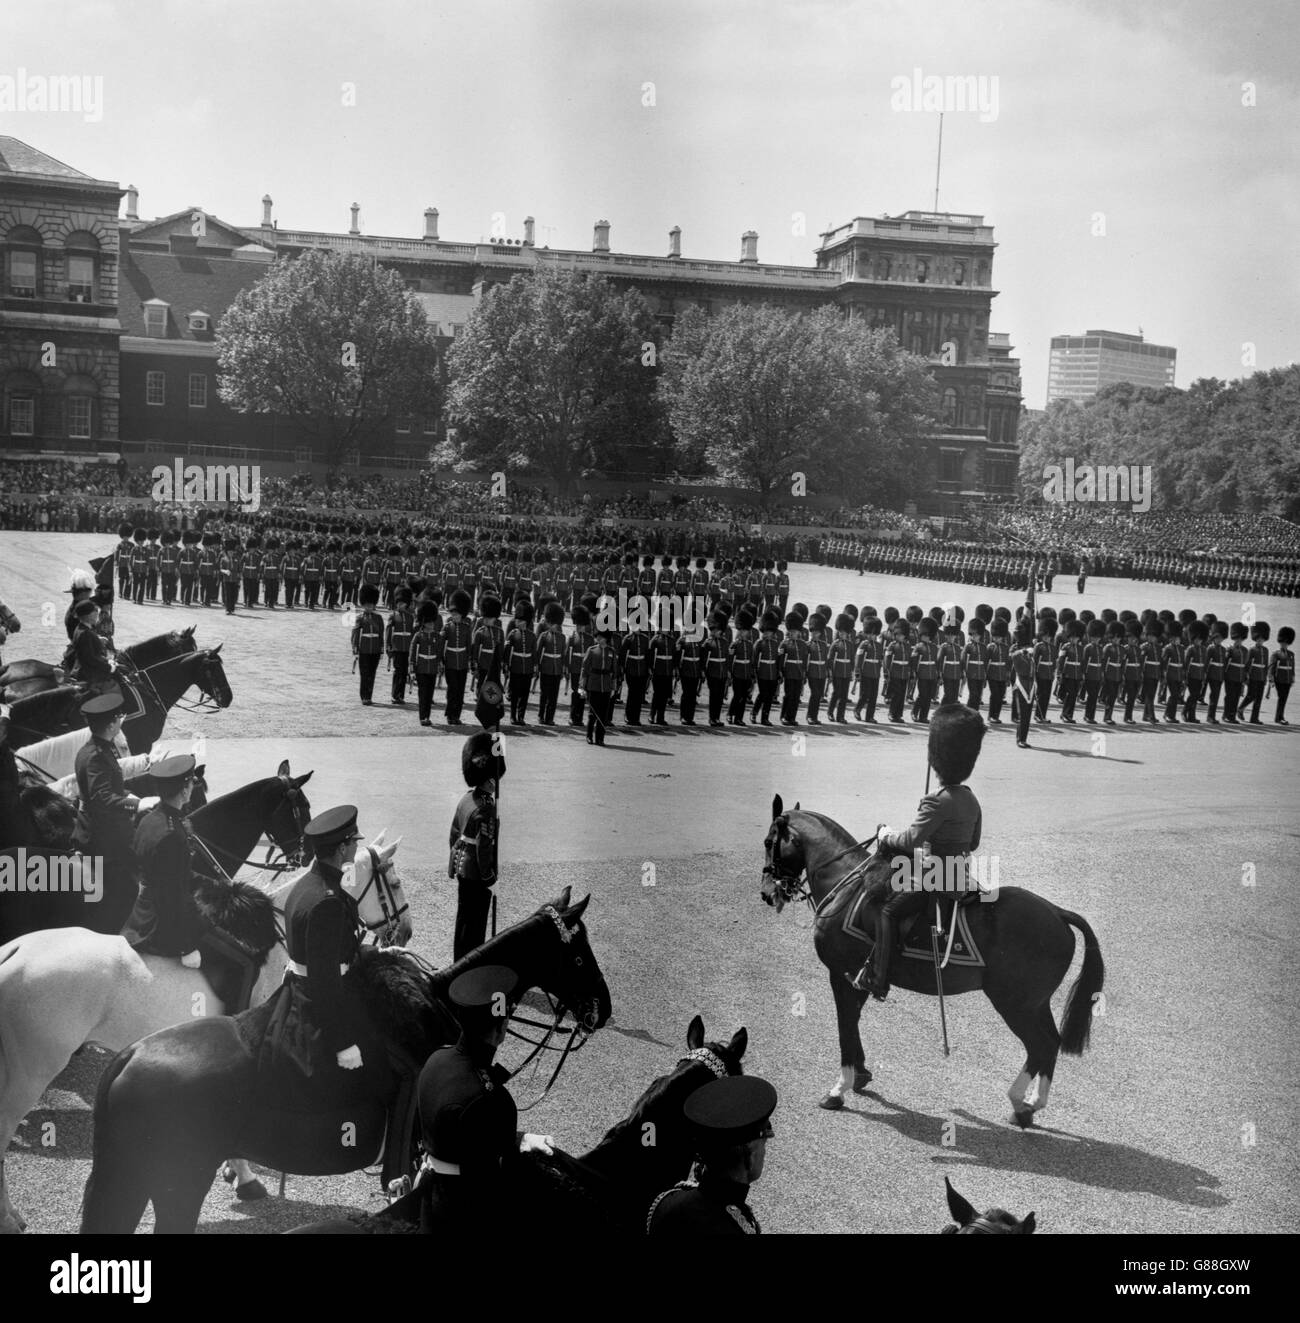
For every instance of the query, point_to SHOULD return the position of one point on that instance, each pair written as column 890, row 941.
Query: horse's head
column 377, row 889
column 569, row 973
column 291, row 815
column 995, row 1222
column 211, row 676
column 785, row 861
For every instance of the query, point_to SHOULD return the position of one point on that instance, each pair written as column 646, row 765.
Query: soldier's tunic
column 169, row 562
column 423, row 661
column 368, row 645
column 86, row 659
column 397, row 643
column 122, row 560
column 579, row 642
column 794, row 667
column 1216, row 656
column 520, row 659
column 711, row 1206
column 1069, row 665
column 1171, row 661
column 1281, row 672
column 1256, row 676
column 689, row 664
column 998, row 672
column 550, row 670
column 111, row 816
column 599, row 679
column 456, row 636
column 473, row 864
column 188, row 567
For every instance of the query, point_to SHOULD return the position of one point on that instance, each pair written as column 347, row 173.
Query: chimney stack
column 431, row 224
column 529, row 240
column 356, row 208
column 132, row 200
column 600, row 244
column 749, row 246
column 675, row 241
column 267, row 222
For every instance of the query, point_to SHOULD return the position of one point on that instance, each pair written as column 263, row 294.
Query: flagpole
column 938, row 161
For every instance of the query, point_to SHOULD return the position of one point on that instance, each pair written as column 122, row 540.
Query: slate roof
column 17, row 158
column 188, row 283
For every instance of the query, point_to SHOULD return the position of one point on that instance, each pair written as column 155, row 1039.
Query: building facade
column 141, row 346
column 1081, row 365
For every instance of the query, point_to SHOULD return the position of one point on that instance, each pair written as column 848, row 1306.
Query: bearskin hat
column 782, row 566
column 851, row 610
column 1238, row 630
column 1133, row 628
column 1186, row 616
column 984, row 612
column 1076, row 628
column 1108, row 614
column 1165, row 614
column 1048, row 627
column 913, row 614
column 1174, row 629
column 139, row 535
column 231, row 543
column 553, row 613
column 1126, row 616
column 368, row 594
column 816, row 622
column 891, row 614
column 524, row 612
column 1198, row 631
column 873, row 626
column 1003, row 613
column 956, row 735
column 1219, row 629
column 273, row 544
column 124, row 530
column 478, row 763
column 976, row 627
column 1286, row 636
column 489, row 607
column 460, row 601
column 772, row 621
column 1115, row 629
column 793, row 621
column 1260, row 631
column 718, row 620
column 1155, row 627
column 1096, row 629
column 935, row 613
column 800, row 609
column 426, row 613
column 998, row 627
column 844, row 622
column 666, row 563
column 154, row 534
column 403, row 597
column 581, row 616
column 745, row 618
column 1066, row 614
column 700, row 562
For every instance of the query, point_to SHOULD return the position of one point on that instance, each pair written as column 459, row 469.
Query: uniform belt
column 293, row 967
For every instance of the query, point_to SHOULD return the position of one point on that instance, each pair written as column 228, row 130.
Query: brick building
column 928, row 276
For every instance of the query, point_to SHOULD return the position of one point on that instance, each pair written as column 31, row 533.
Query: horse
column 994, row 1222
column 23, row 678
column 170, row 1105
column 226, row 829
column 64, row 988
column 1026, row 942
column 608, row 1189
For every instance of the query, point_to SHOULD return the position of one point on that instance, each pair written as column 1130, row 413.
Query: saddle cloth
column 868, row 886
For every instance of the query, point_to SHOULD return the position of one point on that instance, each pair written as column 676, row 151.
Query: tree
column 766, row 394
column 336, row 342
column 554, row 371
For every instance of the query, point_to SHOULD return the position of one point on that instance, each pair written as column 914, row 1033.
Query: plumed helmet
column 956, row 736
column 478, row 763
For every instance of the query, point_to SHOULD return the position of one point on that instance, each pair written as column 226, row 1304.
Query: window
column 198, row 390
column 959, row 273
column 155, row 389
column 22, row 275
column 79, row 415
column 922, row 270
column 431, row 426
column 403, row 422
column 81, row 278
column 199, row 321
column 882, row 268
column 918, row 345
column 155, row 319
column 950, row 406
column 22, row 415
column 950, row 466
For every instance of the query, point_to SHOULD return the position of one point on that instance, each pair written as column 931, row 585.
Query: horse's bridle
column 798, row 886
column 386, row 891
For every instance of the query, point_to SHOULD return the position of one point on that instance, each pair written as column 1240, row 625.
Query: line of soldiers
column 755, row 661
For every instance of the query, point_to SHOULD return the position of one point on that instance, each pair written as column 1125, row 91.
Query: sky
column 1128, row 182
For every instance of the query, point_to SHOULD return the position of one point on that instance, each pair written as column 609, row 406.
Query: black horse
column 609, row 1189
column 171, row 1106
column 27, row 676
column 227, row 828
column 993, row 1222
column 1026, row 942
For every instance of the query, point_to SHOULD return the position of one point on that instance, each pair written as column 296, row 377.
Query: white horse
column 63, row 988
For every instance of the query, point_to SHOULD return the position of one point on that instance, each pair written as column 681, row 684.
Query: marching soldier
column 950, row 662
column 1093, row 668
column 393, row 570
column 741, row 667
column 467, row 1116
column 1132, row 667
column 397, row 642
column 457, row 640
column 634, row 667
column 229, row 565
column 166, row 920
column 1216, row 660
column 251, row 568
column 349, row 573
column 1113, row 656
column 372, row 570
column 473, row 843
column 897, row 668
column 1045, row 666
column 925, row 669
column 519, row 658
column 272, row 570
column 368, row 640
column 867, row 668
column 1194, row 659
column 661, row 659
column 331, row 574
column 488, row 642
column 153, row 555
column 1150, row 671
column 209, row 569
column 974, row 664
column 424, row 657
column 793, row 664
column 598, row 681
column 312, row 571
column 1256, row 670
column 767, row 667
column 730, row 1120
column 819, row 651
column 1281, row 671
column 840, row 665
column 1172, row 669
column 139, row 565
column 717, row 665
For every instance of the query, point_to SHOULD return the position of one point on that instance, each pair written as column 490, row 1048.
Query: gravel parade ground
column 1175, row 843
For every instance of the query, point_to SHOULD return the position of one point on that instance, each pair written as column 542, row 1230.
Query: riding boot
column 873, row 977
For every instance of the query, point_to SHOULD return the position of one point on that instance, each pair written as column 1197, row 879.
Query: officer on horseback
column 731, row 1121
column 87, row 658
column 316, row 1020
column 166, row 920
column 473, row 859
column 467, row 1116
column 949, row 822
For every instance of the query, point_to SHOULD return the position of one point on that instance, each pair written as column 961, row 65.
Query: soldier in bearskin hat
column 368, row 640
column 139, row 564
column 122, row 560
column 291, row 568
column 949, row 822
column 153, row 556
column 519, row 660
column 251, row 568
column 1256, row 671
column 579, row 642
column 1281, row 671
column 397, row 641
column 550, row 662
column 473, row 841
column 425, row 655
column 188, row 565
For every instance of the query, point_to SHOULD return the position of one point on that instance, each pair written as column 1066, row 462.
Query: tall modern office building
column 1082, row 364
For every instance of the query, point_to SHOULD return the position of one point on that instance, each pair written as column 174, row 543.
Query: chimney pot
column 749, row 246
column 431, row 224
column 266, row 210
column 529, row 227
column 132, row 200
column 600, row 243
column 356, row 208
column 675, row 241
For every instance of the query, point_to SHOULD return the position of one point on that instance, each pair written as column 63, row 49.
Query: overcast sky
column 763, row 112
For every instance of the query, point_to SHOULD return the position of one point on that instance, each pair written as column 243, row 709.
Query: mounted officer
column 87, row 659
column 949, row 822
column 166, row 920
column 467, row 1116
column 731, row 1122
column 317, row 1025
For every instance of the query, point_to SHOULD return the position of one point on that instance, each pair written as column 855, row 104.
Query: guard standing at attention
column 368, row 640
column 598, row 682
column 456, row 635
column 397, row 642
column 730, row 1122
column 473, row 843
column 425, row 655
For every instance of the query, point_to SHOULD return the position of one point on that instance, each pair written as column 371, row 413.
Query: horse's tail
column 116, row 1190
column 1079, row 1007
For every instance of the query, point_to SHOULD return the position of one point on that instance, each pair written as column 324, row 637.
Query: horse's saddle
column 855, row 907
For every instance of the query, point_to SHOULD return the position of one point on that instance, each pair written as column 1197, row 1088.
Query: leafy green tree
column 336, row 342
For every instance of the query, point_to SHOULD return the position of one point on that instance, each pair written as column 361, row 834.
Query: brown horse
column 1026, row 942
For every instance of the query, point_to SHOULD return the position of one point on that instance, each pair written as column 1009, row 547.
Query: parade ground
column 1175, row 843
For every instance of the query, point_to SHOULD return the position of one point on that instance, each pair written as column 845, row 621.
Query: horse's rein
column 798, row 886
column 389, row 909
